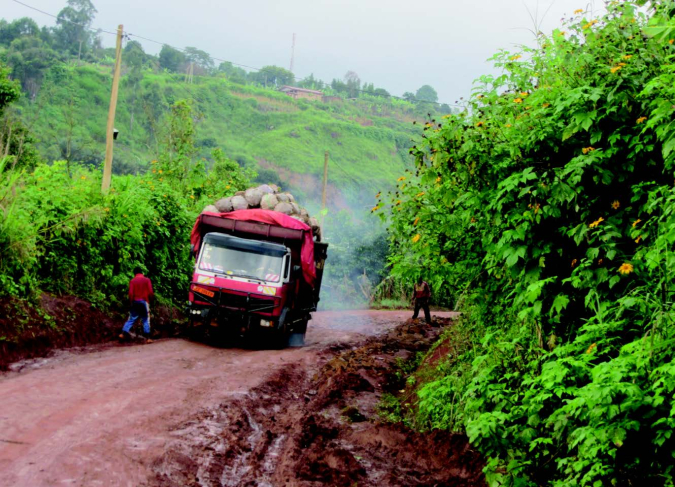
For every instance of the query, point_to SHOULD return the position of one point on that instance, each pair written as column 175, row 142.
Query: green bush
column 59, row 233
column 547, row 210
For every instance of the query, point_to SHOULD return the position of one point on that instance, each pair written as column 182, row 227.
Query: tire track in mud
column 290, row 430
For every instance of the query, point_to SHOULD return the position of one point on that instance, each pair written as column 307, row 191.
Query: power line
column 185, row 50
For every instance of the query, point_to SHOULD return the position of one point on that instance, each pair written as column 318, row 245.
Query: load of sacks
column 267, row 197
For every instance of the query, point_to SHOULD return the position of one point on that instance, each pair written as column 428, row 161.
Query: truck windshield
column 242, row 261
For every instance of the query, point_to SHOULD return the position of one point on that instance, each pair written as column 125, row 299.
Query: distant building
column 295, row 92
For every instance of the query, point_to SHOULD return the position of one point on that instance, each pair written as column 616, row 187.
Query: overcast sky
column 399, row 45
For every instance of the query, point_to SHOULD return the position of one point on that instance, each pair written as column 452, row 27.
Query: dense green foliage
column 547, row 210
column 59, row 234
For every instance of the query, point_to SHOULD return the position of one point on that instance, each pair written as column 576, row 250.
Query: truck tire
column 297, row 338
column 195, row 333
column 281, row 334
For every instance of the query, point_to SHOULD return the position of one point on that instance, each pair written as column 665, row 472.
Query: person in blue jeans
column 140, row 294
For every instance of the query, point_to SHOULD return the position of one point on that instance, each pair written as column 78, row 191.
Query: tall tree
column 29, row 58
column 408, row 96
column 353, row 83
column 134, row 55
column 426, row 93
column 18, row 28
column 200, row 58
column 274, row 76
column 73, row 26
column 171, row 59
column 233, row 73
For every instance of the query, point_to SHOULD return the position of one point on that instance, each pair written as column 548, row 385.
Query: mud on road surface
column 179, row 413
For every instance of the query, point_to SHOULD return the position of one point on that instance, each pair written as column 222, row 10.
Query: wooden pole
column 325, row 180
column 107, row 166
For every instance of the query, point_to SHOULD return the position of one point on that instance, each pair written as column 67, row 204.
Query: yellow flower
column 160, row 171
column 641, row 120
column 516, row 57
column 596, row 222
column 574, row 262
column 417, row 220
column 590, row 24
column 402, row 178
column 419, row 194
column 480, row 124
column 628, row 56
column 192, row 196
column 586, row 150
column 636, row 222
column 626, row 268
column 591, row 348
column 524, row 94
column 398, row 202
column 378, row 194
column 546, row 105
column 615, row 69
column 154, row 171
column 438, row 180
column 508, row 125
column 375, row 208
column 518, row 100
column 616, row 204
column 637, row 240
column 416, row 238
column 579, row 11
column 671, row 41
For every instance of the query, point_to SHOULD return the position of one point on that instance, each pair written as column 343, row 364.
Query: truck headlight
column 265, row 323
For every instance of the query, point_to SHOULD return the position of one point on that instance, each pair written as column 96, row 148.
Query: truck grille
column 240, row 301
column 232, row 299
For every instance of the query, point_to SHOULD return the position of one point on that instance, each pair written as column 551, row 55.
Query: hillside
column 283, row 138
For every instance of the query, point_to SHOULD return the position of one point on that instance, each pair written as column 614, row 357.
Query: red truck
column 257, row 273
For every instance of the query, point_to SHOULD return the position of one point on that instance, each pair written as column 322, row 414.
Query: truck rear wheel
column 297, row 337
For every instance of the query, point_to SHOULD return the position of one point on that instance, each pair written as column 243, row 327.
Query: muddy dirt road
column 105, row 415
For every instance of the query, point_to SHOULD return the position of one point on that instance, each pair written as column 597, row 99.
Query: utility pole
column 189, row 72
column 107, row 166
column 292, row 53
column 325, row 180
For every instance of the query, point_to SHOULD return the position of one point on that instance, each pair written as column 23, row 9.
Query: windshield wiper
column 247, row 276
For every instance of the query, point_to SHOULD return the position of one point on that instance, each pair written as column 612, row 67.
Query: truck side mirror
column 297, row 271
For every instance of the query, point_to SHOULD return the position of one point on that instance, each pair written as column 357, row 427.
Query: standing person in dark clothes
column 422, row 296
column 140, row 294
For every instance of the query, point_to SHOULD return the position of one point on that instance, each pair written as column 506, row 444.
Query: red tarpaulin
column 271, row 218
